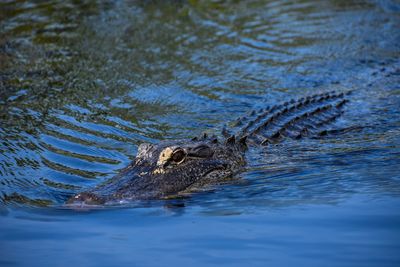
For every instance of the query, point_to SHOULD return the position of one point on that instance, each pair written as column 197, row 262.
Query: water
column 83, row 83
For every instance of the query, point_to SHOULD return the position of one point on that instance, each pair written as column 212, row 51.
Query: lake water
column 83, row 83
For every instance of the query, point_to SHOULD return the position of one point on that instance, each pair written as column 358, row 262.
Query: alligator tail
column 305, row 117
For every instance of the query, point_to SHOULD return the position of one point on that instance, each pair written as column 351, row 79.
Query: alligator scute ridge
column 171, row 168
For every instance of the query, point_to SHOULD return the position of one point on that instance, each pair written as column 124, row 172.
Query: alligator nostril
column 86, row 198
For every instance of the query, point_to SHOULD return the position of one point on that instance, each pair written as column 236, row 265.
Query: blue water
column 361, row 231
column 82, row 84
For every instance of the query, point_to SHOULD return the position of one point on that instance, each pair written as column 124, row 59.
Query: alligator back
column 305, row 117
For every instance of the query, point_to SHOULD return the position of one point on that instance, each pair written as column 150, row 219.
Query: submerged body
column 171, row 168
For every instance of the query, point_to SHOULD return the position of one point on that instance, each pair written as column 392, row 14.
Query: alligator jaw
column 138, row 188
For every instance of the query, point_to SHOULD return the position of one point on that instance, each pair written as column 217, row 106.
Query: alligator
column 176, row 167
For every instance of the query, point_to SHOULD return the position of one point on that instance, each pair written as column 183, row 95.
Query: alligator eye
column 178, row 156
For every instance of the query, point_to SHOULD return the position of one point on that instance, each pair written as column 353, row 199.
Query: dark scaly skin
column 171, row 168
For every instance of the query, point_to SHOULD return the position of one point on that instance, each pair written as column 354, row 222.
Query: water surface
column 82, row 83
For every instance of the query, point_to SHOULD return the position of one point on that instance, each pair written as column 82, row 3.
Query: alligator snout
column 85, row 198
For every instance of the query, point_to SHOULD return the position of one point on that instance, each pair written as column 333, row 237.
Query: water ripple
column 83, row 83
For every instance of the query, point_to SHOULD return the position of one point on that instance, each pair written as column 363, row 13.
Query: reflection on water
column 82, row 83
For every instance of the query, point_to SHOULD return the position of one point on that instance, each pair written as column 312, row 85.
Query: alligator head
column 168, row 169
